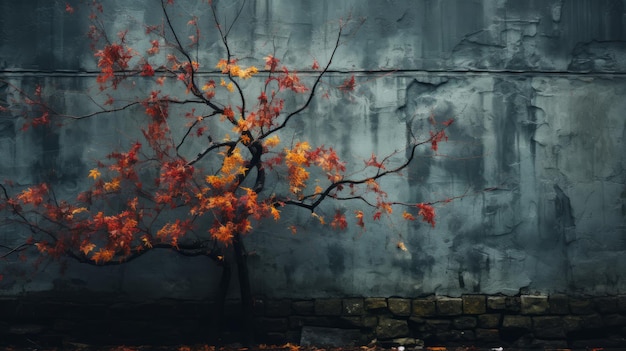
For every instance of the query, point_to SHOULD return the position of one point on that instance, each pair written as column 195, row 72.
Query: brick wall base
column 526, row 321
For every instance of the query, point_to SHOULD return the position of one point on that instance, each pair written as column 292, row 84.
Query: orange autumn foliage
column 192, row 176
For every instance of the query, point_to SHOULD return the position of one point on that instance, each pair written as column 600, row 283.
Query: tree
column 195, row 179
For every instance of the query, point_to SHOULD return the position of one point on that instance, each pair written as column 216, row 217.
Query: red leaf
column 427, row 212
column 147, row 70
column 68, row 8
column 348, row 84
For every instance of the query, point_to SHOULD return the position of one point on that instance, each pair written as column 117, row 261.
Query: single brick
column 489, row 321
column 424, row 307
column 532, row 304
column 474, row 304
column 375, row 303
column 516, row 322
column 449, row 306
column 328, row 307
column 389, row 328
column 496, row 303
column 399, row 307
column 353, row 307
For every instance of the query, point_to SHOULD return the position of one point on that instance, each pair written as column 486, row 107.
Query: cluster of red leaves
column 112, row 58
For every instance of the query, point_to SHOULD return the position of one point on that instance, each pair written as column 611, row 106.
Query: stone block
column 464, row 322
column 489, row 321
column 328, row 307
column 559, row 304
column 516, row 322
column 374, row 304
column 503, row 303
column 474, row 304
column 496, row 303
column 581, row 306
column 303, row 307
column 424, row 307
column 548, row 327
column 534, row 304
column 353, row 307
column 369, row 321
column 389, row 328
column 399, row 307
column 449, row 306
column 436, row 325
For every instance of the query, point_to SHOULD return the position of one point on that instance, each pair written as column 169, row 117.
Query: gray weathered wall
column 536, row 87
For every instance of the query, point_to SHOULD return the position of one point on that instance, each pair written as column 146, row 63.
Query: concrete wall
column 536, row 87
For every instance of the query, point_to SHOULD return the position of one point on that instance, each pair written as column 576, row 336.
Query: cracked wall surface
column 537, row 92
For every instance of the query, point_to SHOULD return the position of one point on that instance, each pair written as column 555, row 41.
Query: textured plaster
column 537, row 91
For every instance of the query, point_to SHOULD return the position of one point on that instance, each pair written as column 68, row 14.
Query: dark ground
column 286, row 347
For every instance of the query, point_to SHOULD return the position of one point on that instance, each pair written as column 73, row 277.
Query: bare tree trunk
column 247, row 302
column 218, row 318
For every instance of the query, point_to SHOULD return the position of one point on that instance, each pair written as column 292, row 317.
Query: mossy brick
column 474, row 304
column 496, row 303
column 581, row 306
column 516, row 322
column 374, row 304
column 559, row 304
column 423, row 307
column 328, row 307
column 353, row 307
column 489, row 320
column 449, row 306
column 389, row 328
column 534, row 304
column 399, row 306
